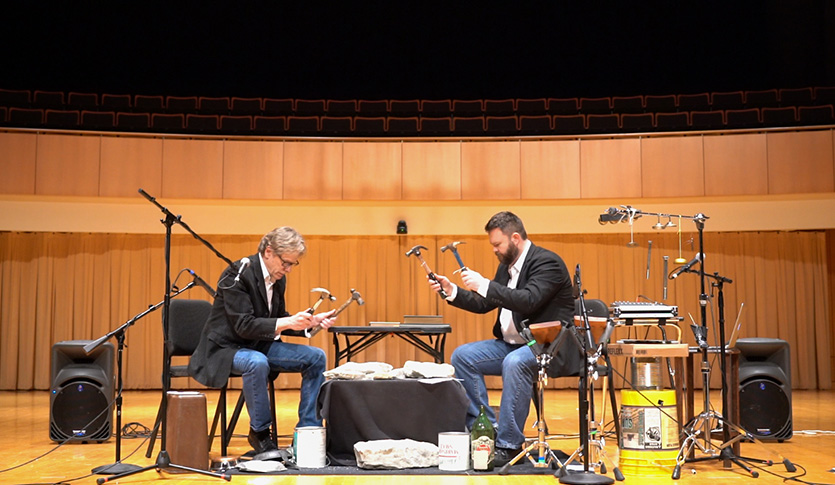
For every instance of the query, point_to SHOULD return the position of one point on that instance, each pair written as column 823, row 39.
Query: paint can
column 453, row 451
column 309, row 446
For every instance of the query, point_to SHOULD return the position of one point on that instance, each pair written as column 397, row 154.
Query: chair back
column 186, row 320
column 594, row 308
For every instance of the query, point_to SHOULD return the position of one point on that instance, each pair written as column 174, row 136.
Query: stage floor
column 24, row 419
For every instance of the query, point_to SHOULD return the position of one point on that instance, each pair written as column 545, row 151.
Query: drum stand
column 545, row 457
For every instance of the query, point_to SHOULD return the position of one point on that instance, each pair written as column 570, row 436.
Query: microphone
column 200, row 282
column 686, row 267
column 244, row 263
column 607, row 333
column 612, row 215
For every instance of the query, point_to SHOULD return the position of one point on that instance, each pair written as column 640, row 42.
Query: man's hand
column 443, row 282
column 473, row 280
column 299, row 321
column 324, row 320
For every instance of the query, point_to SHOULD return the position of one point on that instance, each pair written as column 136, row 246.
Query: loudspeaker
column 765, row 390
column 81, row 397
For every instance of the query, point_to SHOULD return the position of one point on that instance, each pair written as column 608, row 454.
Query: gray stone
column 395, row 454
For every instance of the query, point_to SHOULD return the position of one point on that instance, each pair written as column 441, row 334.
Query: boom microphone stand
column 118, row 467
column 163, row 459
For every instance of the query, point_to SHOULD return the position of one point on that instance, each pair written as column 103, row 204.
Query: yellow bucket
column 649, row 442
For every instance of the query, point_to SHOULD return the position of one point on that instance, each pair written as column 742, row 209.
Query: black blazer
column 240, row 318
column 542, row 294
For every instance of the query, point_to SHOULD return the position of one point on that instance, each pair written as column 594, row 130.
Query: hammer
column 323, row 293
column 416, row 251
column 452, row 247
column 355, row 295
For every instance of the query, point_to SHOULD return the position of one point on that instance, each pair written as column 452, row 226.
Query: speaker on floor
column 765, row 389
column 82, row 392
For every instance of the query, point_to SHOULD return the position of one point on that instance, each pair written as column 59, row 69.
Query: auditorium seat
column 25, row 117
column 595, row 106
column 531, row 107
column 499, row 107
column 785, row 116
column 116, row 102
column 337, row 125
column 372, row 108
column 665, row 103
column 303, row 125
column 563, row 106
column 48, row 100
column 4, row 115
column 435, row 126
column 694, row 102
column 148, row 103
column 436, row 108
column 309, row 107
column 535, row 125
column 467, row 108
column 404, row 108
column 269, row 125
column 181, row 104
column 342, row 107
column 627, row 104
column 202, row 123
column 815, row 115
column 707, row 120
column 15, row 98
column 468, row 126
column 742, row 118
column 762, row 99
column 404, row 126
column 796, row 97
column 246, row 106
column 236, row 125
column 98, row 120
column 671, row 121
column 80, row 101
column 727, row 100
column 501, row 125
column 133, row 121
column 213, row 106
column 168, row 122
column 824, row 95
column 277, row 107
column 61, row 119
column 370, row 126
column 564, row 125
column 602, row 123
column 636, row 122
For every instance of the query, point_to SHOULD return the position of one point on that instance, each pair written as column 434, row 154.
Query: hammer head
column 452, row 245
column 324, row 293
column 355, row 295
column 415, row 250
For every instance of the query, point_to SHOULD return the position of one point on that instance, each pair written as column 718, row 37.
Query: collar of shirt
column 268, row 280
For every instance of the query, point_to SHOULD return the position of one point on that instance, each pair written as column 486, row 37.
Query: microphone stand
column 118, row 467
column 163, row 459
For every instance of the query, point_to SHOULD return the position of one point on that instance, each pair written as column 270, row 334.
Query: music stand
column 163, row 459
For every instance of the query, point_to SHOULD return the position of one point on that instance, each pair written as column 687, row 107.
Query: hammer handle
column 458, row 258
column 313, row 331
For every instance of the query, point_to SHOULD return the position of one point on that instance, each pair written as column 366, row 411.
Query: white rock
column 395, row 454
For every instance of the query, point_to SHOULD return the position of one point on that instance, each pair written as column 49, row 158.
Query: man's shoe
column 503, row 456
column 261, row 441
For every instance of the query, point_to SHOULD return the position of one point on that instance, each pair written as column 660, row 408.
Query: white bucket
column 454, row 451
column 309, row 446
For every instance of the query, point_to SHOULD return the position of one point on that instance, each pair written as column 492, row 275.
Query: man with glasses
column 243, row 335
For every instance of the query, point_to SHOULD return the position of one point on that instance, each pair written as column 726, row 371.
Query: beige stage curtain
column 56, row 287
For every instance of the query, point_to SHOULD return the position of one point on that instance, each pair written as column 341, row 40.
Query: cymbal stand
column 545, row 457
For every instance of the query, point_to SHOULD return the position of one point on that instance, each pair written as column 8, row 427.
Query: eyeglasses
column 287, row 264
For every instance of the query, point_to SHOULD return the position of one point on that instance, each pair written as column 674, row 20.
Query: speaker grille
column 765, row 409
column 79, row 411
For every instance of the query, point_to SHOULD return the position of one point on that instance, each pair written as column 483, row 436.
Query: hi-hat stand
column 163, row 459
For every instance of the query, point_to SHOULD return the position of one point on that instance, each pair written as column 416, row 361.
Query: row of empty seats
column 426, row 108
column 416, row 126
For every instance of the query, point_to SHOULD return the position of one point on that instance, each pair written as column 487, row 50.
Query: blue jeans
column 517, row 366
column 254, row 368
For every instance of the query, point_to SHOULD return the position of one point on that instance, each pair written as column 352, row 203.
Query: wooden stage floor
column 24, row 421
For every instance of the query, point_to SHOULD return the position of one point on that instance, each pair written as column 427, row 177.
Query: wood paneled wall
column 47, row 164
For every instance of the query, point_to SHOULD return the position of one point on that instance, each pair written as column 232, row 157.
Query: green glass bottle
column 483, row 443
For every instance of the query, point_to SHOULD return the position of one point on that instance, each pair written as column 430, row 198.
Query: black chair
column 81, row 101
column 665, row 103
column 531, row 107
column 563, row 125
column 563, row 106
column 728, row 100
column 637, row 122
column 466, row 126
column 236, row 124
column 181, row 104
column 337, row 125
column 310, row 107
column 408, row 126
column 602, row 123
column 404, row 108
column 762, row 99
column 277, row 107
column 742, row 118
column 435, row 126
column 168, row 122
column 133, row 121
column 62, row 119
column 499, row 107
column 815, row 115
column 303, row 125
column 370, row 126
column 25, row 118
column 786, row 116
column 246, row 106
column 144, row 103
column 270, row 125
column 98, row 120
column 501, row 125
column 202, row 123
column 48, row 100
column 694, row 102
column 15, row 98
column 796, row 97
column 628, row 104
column 467, row 108
column 116, row 102
column 340, row 108
column 373, row 108
column 671, row 121
column 597, row 106
column 707, row 120
column 213, row 106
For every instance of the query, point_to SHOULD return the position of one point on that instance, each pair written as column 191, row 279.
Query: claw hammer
column 416, row 251
column 453, row 247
